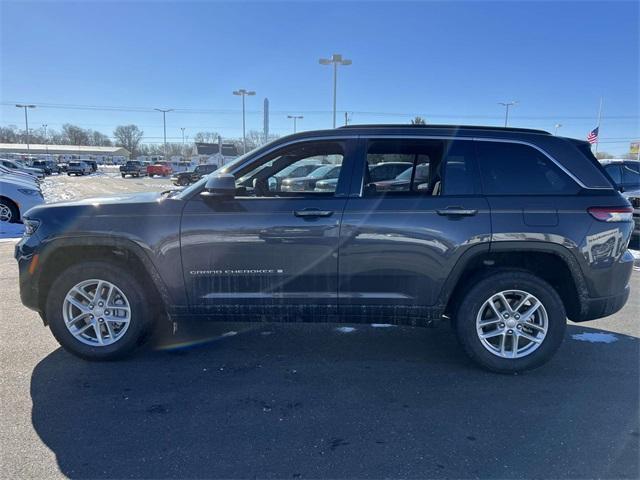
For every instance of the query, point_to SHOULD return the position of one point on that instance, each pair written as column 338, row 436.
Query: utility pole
column 335, row 60
column 46, row 140
column 506, row 113
column 26, row 122
column 295, row 118
column 164, row 126
column 243, row 93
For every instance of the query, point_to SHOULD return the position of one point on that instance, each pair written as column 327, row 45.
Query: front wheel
column 511, row 321
column 8, row 211
column 98, row 311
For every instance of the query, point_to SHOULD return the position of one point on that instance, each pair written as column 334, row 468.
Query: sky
column 102, row 64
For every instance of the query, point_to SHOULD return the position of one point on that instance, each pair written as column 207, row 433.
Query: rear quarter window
column 517, row 169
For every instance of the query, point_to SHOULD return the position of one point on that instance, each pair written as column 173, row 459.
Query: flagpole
column 599, row 119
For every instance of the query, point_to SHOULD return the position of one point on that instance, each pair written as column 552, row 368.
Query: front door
column 273, row 249
column 402, row 236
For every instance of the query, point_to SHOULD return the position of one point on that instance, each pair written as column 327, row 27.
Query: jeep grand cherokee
column 506, row 232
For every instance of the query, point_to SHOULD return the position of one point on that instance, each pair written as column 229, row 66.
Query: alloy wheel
column 96, row 312
column 512, row 324
column 5, row 213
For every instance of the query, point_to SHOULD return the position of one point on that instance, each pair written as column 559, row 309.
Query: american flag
column 593, row 135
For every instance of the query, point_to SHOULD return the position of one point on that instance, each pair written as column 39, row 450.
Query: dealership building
column 67, row 152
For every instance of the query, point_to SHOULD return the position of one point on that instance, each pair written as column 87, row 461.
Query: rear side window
column 516, row 169
column 631, row 174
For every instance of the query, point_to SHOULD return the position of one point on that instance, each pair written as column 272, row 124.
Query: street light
column 295, row 119
column 26, row 121
column 164, row 124
column 506, row 113
column 46, row 140
column 556, row 127
column 335, row 60
column 243, row 93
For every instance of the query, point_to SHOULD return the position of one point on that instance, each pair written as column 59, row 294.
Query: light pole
column 506, row 112
column 164, row 125
column 46, row 140
column 335, row 60
column 26, row 121
column 243, row 93
column 295, row 119
column 556, row 127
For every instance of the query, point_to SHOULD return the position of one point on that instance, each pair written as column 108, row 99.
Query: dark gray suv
column 505, row 232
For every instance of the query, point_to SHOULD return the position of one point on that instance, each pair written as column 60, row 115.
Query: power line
column 188, row 110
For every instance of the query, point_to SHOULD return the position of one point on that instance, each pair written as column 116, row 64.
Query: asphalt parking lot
column 302, row 401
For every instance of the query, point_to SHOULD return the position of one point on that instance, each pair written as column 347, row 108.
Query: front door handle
column 312, row 213
column 457, row 211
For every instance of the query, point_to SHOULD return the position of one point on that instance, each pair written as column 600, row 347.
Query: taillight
column 611, row 214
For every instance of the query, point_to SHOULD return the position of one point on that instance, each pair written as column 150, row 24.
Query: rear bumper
column 616, row 277
column 594, row 308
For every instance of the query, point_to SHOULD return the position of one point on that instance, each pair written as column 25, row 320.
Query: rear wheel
column 511, row 321
column 98, row 311
column 9, row 212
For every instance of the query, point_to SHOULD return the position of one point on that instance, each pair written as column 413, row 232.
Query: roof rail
column 446, row 127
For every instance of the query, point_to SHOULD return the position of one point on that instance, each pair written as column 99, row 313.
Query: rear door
column 400, row 242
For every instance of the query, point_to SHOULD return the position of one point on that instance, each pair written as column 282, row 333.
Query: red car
column 160, row 168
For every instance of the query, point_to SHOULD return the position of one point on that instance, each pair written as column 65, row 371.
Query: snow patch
column 345, row 329
column 229, row 334
column 265, row 333
column 11, row 231
column 382, row 325
column 635, row 253
column 592, row 337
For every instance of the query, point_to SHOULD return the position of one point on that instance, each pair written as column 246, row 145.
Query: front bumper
column 28, row 274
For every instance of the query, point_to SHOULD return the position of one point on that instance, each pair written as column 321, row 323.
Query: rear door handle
column 457, row 211
column 312, row 213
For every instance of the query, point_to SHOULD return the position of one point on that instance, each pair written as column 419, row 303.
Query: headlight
column 31, row 193
column 30, row 226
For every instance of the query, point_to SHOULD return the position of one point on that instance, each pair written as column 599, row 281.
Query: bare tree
column 99, row 139
column 418, row 120
column 206, row 137
column 129, row 137
column 74, row 135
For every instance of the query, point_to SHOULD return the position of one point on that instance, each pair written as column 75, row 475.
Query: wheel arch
column 63, row 253
column 553, row 263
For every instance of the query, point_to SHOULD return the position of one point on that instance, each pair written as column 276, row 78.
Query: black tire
column 142, row 315
column 123, row 175
column 13, row 210
column 482, row 290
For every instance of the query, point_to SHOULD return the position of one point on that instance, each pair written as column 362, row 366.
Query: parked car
column 133, row 168
column 93, row 164
column 515, row 231
column 16, row 198
column 49, row 167
column 626, row 175
column 308, row 183
column 401, row 182
column 296, row 170
column 20, row 176
column 185, row 178
column 19, row 167
column 79, row 168
column 162, row 169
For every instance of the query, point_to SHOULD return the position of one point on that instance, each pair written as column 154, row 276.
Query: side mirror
column 220, row 186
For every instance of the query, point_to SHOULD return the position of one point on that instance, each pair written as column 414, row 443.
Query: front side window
column 517, row 169
column 309, row 169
